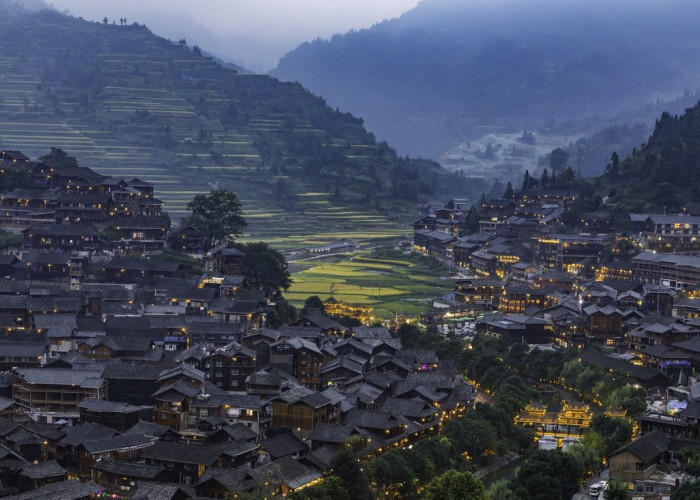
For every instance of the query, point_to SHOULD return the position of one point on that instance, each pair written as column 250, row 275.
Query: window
column 650, row 488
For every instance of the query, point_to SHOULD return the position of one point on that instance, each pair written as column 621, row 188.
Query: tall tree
column 59, row 158
column 547, row 475
column 557, row 159
column 313, row 304
column 617, row 490
column 218, row 215
column 454, row 485
column 509, row 194
column 344, row 466
column 265, row 268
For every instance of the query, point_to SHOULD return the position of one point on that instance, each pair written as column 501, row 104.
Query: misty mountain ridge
column 433, row 77
column 129, row 103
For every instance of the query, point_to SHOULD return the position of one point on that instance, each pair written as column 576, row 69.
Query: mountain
column 129, row 103
column 661, row 175
column 449, row 71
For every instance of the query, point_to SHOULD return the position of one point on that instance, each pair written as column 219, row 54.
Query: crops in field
column 402, row 284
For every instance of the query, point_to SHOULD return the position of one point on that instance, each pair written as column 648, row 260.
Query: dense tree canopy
column 265, row 268
column 345, row 467
column 547, row 475
column 218, row 215
column 59, row 158
column 454, row 485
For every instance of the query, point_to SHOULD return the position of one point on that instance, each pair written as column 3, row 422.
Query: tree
column 313, row 303
column 547, row 475
column 527, row 181
column 345, row 467
column 218, row 215
column 628, row 398
column 500, row 490
column 614, row 163
column 265, row 268
column 282, row 313
column 617, row 490
column 544, row 181
column 454, row 485
column 557, row 159
column 509, row 194
column 59, row 158
column 331, row 488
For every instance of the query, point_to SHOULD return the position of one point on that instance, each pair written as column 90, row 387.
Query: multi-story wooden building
column 300, row 409
column 54, row 393
column 300, row 358
column 231, row 365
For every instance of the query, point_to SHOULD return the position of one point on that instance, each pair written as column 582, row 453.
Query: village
column 134, row 375
column 629, row 302
column 138, row 375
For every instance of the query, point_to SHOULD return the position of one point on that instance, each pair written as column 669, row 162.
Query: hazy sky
column 255, row 33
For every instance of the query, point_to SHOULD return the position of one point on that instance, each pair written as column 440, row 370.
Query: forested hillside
column 448, row 71
column 129, row 103
column 664, row 173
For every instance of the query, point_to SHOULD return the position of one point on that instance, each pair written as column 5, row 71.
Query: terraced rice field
column 390, row 285
column 119, row 137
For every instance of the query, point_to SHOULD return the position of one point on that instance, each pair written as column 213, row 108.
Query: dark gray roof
column 54, row 304
column 330, row 433
column 647, row 447
column 9, row 349
column 150, row 429
column 63, row 230
column 42, row 470
column 202, row 454
column 58, row 325
column 124, row 442
column 240, row 432
column 129, row 469
column 664, row 352
column 239, row 479
column 367, row 419
column 7, row 427
column 692, row 410
column 146, row 490
column 288, row 471
column 182, row 369
column 410, row 408
column 143, row 265
column 90, row 379
column 107, row 406
column 180, row 388
column 86, row 432
column 282, row 445
column 47, row 258
column 134, row 371
column 641, row 373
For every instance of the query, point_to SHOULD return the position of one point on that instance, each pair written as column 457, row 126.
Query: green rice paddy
column 403, row 284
